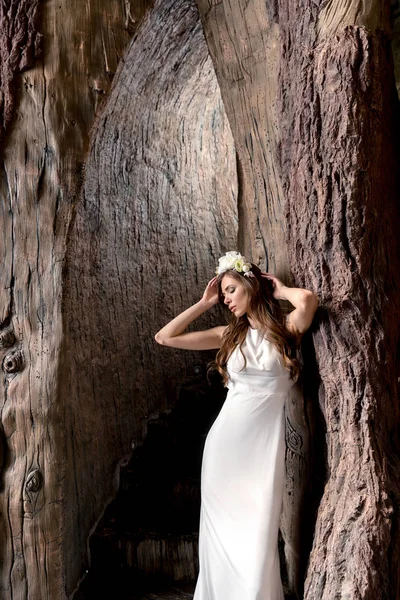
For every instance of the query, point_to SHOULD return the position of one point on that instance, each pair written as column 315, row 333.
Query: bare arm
column 174, row 336
column 305, row 304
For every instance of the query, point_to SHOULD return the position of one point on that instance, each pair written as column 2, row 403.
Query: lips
column 232, row 308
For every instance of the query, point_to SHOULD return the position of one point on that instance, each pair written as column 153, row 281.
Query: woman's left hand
column 277, row 286
column 305, row 304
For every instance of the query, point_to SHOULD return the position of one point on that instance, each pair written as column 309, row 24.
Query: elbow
column 162, row 339
column 310, row 301
column 159, row 339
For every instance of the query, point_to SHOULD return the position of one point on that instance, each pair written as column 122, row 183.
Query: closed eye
column 229, row 292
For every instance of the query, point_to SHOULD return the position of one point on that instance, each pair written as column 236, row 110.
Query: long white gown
column 242, row 480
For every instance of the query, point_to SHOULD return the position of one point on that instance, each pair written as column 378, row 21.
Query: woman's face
column 235, row 295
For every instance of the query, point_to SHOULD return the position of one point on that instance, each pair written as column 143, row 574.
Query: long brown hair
column 265, row 311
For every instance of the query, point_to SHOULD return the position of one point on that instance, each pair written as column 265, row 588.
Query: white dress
column 242, row 480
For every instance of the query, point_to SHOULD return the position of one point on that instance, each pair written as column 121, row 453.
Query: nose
column 227, row 300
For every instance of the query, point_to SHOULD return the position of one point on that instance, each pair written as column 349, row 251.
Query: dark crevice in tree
column 148, row 536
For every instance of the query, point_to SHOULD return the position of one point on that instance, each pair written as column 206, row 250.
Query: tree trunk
column 158, row 208
column 331, row 105
column 40, row 178
column 243, row 42
column 80, row 369
column 339, row 160
column 115, row 207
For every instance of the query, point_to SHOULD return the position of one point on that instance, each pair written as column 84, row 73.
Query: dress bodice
column 263, row 371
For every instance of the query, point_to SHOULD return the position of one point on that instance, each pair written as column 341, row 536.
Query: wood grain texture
column 159, row 206
column 335, row 15
column 40, row 176
column 243, row 41
column 338, row 116
column 333, row 114
column 20, row 44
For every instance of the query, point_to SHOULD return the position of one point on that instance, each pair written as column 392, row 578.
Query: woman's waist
column 261, row 385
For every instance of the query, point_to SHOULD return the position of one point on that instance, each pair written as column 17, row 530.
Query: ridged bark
column 47, row 113
column 159, row 206
column 339, row 158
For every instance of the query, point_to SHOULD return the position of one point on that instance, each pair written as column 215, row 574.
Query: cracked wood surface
column 339, row 151
column 159, row 206
column 54, row 105
column 20, row 44
column 314, row 125
column 330, row 104
column 243, row 41
column 62, row 451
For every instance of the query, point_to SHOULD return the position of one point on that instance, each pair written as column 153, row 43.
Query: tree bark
column 158, row 208
column 339, row 159
column 243, row 42
column 330, row 103
column 93, row 249
column 20, row 44
column 54, row 105
column 54, row 341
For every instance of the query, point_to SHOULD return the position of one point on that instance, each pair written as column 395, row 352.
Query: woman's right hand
column 173, row 334
column 211, row 292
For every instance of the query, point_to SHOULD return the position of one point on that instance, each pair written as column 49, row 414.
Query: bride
column 243, row 462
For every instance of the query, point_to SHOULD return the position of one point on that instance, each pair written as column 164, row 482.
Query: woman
column 243, row 463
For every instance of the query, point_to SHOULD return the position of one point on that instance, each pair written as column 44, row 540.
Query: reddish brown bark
column 310, row 96
column 339, row 161
column 40, row 177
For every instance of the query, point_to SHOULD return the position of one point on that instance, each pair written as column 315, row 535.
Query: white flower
column 238, row 265
column 233, row 261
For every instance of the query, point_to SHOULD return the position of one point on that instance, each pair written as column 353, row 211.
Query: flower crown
column 234, row 261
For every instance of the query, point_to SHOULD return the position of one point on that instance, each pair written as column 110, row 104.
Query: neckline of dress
column 253, row 329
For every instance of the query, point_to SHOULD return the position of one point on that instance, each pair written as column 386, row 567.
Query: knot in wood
column 34, row 481
column 7, row 337
column 13, row 361
column 293, row 438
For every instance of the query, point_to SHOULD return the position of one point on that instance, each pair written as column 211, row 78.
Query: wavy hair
column 266, row 311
